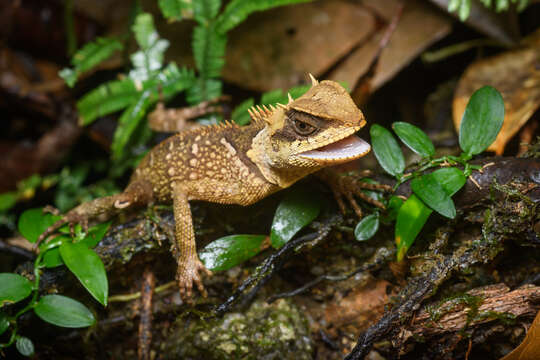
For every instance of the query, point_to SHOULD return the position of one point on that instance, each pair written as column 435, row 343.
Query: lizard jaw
column 344, row 150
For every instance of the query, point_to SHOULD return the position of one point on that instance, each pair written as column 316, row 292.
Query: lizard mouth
column 347, row 149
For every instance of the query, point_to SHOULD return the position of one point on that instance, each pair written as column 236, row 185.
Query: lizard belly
column 228, row 192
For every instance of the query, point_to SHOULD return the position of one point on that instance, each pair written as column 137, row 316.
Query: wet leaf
column 95, row 234
column 88, row 268
column 367, row 227
column 482, row 120
column 25, row 346
column 63, row 311
column 414, row 138
column 432, row 193
column 411, row 218
column 392, row 209
column 33, row 222
column 229, row 251
column 413, row 214
column 13, row 288
column 387, row 150
column 295, row 211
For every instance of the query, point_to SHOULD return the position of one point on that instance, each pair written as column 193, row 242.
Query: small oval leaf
column 367, row 227
column 432, row 193
column 411, row 218
column 34, row 222
column 95, row 234
column 482, row 120
column 4, row 323
column 13, row 288
column 63, row 311
column 25, row 346
column 414, row 138
column 295, row 211
column 229, row 251
column 88, row 268
column 8, row 200
column 387, row 150
column 451, row 179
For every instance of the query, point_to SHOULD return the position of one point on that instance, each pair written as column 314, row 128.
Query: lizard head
column 315, row 130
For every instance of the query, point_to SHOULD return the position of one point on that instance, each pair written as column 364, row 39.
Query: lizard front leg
column 185, row 249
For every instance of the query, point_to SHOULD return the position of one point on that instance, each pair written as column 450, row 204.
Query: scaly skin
column 235, row 165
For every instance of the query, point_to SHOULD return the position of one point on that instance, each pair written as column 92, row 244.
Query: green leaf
column 432, row 193
column 7, row 200
column 128, row 122
column 176, row 10
column 205, row 10
column 451, row 179
column 367, row 227
column 106, row 99
column 237, row 11
column 204, row 89
column 295, row 211
column 13, row 288
column 240, row 113
column 88, row 268
column 4, row 323
column 33, row 222
column 413, row 214
column 208, row 51
column 95, row 234
column 226, row 252
column 414, row 138
column 482, row 120
column 25, row 346
column 387, row 150
column 52, row 258
column 411, row 218
column 63, row 311
column 392, row 209
column 89, row 56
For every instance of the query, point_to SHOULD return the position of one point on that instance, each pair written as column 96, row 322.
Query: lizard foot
column 350, row 186
column 72, row 218
column 187, row 274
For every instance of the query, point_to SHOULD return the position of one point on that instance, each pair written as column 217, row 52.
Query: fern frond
column 205, row 10
column 238, row 10
column 208, row 50
column 176, row 10
column 106, row 99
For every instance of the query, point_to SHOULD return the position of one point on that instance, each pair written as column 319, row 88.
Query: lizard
column 232, row 164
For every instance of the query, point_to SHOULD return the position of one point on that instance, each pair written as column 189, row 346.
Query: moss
column 275, row 331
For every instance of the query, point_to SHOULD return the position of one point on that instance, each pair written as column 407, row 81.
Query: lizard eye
column 303, row 128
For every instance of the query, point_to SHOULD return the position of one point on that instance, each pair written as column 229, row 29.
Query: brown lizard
column 230, row 164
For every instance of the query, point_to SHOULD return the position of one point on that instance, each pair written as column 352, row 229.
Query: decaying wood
column 456, row 315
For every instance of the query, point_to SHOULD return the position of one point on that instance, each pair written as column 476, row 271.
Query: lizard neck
column 280, row 175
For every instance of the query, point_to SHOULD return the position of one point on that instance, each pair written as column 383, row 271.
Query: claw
column 188, row 274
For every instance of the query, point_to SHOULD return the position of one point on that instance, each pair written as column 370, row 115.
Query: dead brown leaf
column 516, row 74
column 419, row 26
column 529, row 349
column 275, row 49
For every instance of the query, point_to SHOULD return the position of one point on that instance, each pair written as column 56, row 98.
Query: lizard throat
column 347, row 149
